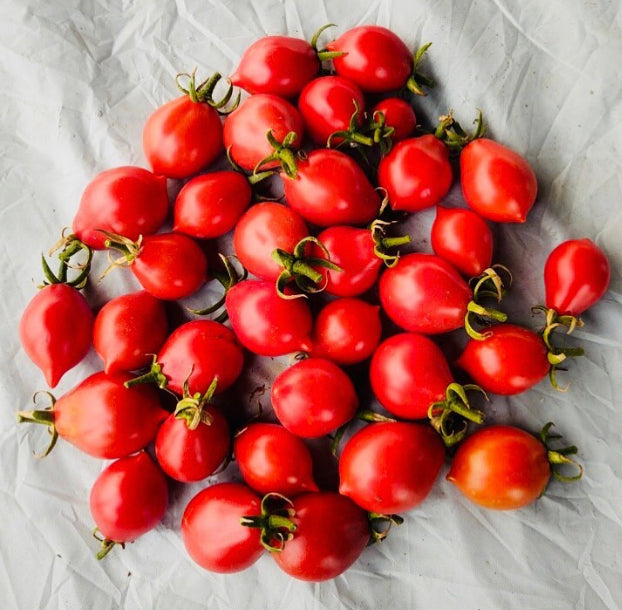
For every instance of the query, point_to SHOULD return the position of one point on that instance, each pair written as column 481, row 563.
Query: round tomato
column 322, row 548
column 209, row 205
column 212, row 532
column 265, row 323
column 346, row 331
column 416, row 173
column 56, row 330
column 128, row 498
column 398, row 114
column 273, row 460
column 497, row 182
column 129, row 330
column 463, row 238
column 130, row 201
column 390, row 467
column 313, row 397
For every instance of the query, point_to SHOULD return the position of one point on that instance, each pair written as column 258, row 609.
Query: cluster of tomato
column 390, row 465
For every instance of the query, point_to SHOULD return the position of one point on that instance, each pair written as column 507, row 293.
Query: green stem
column 393, row 242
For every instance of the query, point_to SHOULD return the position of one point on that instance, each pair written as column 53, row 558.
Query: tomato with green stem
column 396, row 114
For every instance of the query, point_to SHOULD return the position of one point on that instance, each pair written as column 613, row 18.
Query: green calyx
column 204, row 92
column 275, row 522
column 451, row 417
column 42, row 416
column 559, row 457
column 451, row 133
column 282, row 154
column 382, row 243
column 417, row 80
column 106, row 544
column 154, row 375
column 380, row 526
column 129, row 250
column 253, row 178
column 351, row 135
column 69, row 246
column 191, row 408
column 324, row 54
column 489, row 284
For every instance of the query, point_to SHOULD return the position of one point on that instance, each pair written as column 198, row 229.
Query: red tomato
column 321, row 547
column 399, row 114
column 390, row 467
column 56, row 330
column 129, row 330
column 130, row 201
column 416, row 173
column 265, row 323
column 424, row 293
column 187, row 454
column 374, row 58
column 277, row 64
column 330, row 188
column 116, row 421
column 408, row 373
column 182, row 137
column 501, row 467
column 198, row 352
column 509, row 360
column 346, row 331
column 273, row 460
column 313, row 397
column 327, row 104
column 211, row 529
column 263, row 228
column 463, row 238
column 128, row 499
column 209, row 205
column 497, row 182
column 576, row 276
column 246, row 128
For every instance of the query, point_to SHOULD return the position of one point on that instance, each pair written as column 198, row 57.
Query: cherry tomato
column 130, row 201
column 128, row 498
column 408, row 373
column 313, row 397
column 187, row 454
column 211, row 529
column 399, row 114
column 374, row 58
column 346, row 331
column 424, row 293
column 56, row 330
column 263, row 228
column 246, row 128
column 416, row 173
column 501, row 467
column 497, row 182
column 390, row 467
column 463, row 238
column 323, row 547
column 209, row 205
column 576, row 276
column 330, row 188
column 509, row 360
column 265, row 323
column 103, row 418
column 129, row 330
column 277, row 64
column 327, row 104
column 273, row 460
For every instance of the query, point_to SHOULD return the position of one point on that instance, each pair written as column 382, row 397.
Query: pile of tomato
column 336, row 129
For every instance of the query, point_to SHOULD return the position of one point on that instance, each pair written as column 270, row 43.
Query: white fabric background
column 79, row 79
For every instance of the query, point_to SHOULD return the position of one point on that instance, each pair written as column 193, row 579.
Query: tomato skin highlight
column 576, row 275
column 280, row 65
column 210, row 205
column 501, row 467
column 273, row 460
column 390, row 467
column 130, row 201
column 313, row 397
column 129, row 498
column 423, row 293
column 496, row 181
column 211, row 529
column 182, row 137
column 331, row 533
column 399, row 114
column 129, row 330
column 56, row 330
column 462, row 238
column 408, row 373
column 509, row 360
